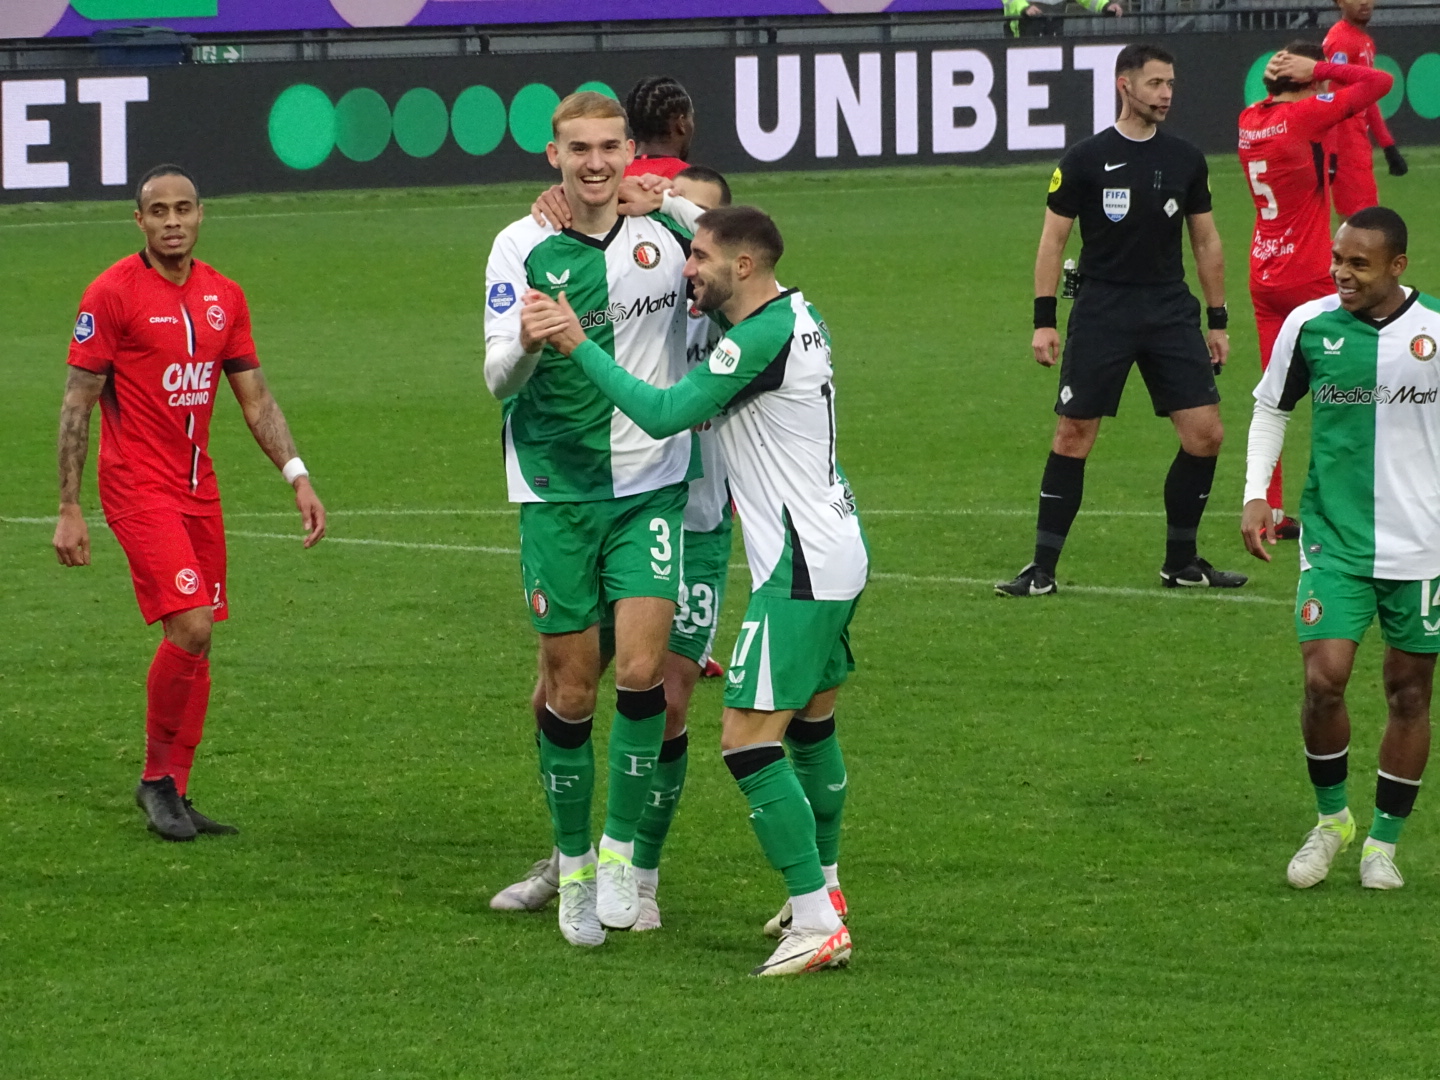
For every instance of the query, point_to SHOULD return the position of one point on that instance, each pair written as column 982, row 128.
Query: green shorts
column 705, row 566
column 578, row 558
column 788, row 651
column 1332, row 604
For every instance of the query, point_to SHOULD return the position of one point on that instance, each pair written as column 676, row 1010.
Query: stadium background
column 1070, row 821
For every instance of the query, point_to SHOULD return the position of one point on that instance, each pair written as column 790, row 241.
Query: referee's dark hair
column 1135, row 57
column 653, row 104
column 706, row 175
column 1311, row 51
column 744, row 226
column 164, row 170
column 1382, row 219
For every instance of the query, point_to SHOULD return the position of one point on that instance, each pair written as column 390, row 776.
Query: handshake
column 549, row 321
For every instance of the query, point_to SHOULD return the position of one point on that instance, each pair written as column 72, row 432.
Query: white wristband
column 293, row 470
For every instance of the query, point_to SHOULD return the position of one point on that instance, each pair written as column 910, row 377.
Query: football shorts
column 177, row 562
column 1332, row 604
column 788, row 651
column 705, row 561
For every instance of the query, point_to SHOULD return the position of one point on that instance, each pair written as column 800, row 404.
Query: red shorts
column 176, row 561
column 1274, row 304
column 1353, row 188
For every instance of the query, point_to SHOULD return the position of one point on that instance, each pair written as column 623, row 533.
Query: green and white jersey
column 564, row 442
column 1371, row 506
column 709, row 495
column 771, row 376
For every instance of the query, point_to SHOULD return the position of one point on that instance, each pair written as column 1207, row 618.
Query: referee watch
column 1217, row 318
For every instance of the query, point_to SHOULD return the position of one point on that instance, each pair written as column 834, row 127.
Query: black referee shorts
column 1156, row 327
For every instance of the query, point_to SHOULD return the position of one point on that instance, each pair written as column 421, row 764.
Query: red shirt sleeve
column 99, row 329
column 1358, row 88
column 240, row 349
column 1377, row 125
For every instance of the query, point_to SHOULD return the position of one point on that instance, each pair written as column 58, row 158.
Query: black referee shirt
column 1132, row 199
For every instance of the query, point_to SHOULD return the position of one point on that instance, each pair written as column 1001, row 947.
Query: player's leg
column 542, row 884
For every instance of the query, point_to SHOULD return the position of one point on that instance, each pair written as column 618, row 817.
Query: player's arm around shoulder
column 267, row 423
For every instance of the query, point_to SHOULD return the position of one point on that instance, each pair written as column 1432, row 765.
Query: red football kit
column 1353, row 161
column 163, row 348
column 645, row 165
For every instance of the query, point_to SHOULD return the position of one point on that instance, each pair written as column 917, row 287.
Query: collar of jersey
column 767, row 303
column 1139, row 142
column 1380, row 324
column 603, row 242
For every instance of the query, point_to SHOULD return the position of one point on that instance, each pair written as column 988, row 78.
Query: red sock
column 192, row 726
column 168, row 689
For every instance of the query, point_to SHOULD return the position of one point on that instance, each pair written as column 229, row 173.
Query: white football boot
column 803, row 950
column 1377, row 869
column 1322, row 843
column 535, row 890
column 619, row 900
column 578, row 921
column 780, row 922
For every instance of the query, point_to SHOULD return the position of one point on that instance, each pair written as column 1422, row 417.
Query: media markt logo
column 306, row 127
column 619, row 312
column 1330, row 394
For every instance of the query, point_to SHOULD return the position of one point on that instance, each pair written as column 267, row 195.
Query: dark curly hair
column 654, row 103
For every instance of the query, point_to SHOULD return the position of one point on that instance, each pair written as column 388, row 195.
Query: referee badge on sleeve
column 1117, row 203
column 1056, row 179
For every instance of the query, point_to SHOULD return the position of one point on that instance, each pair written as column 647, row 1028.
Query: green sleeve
column 660, row 413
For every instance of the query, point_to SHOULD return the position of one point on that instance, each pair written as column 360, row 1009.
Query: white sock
column 551, row 873
column 627, row 848
column 1343, row 816
column 570, row 863
column 813, row 911
column 647, row 880
column 1389, row 849
column 832, row 875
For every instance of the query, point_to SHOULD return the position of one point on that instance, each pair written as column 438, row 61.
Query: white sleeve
column 1271, row 389
column 1267, row 439
column 507, row 365
column 682, row 210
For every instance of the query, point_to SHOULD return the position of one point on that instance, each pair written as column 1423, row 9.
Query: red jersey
column 163, row 348
column 1346, row 43
column 645, row 165
column 1284, row 162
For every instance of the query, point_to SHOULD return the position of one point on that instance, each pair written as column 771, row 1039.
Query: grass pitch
column 1070, row 818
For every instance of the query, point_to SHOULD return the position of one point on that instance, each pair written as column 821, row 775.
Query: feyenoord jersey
column 1284, row 161
column 1371, row 505
column 564, row 442
column 1349, row 44
column 709, row 500
column 771, row 374
column 162, row 348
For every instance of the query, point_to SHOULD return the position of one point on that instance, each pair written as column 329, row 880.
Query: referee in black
column 1132, row 186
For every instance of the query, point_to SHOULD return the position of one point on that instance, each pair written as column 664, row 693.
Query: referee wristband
column 293, row 470
column 1217, row 318
column 1046, row 312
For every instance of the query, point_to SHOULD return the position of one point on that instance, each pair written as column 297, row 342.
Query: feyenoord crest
column 1310, row 611
column 539, row 603
column 215, row 316
column 187, row 581
column 1116, row 203
column 647, row 255
column 1422, row 347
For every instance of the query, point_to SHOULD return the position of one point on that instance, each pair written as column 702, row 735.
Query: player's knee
column 571, row 700
column 1324, row 688
column 640, row 673
column 1074, row 438
column 191, row 630
column 1409, row 701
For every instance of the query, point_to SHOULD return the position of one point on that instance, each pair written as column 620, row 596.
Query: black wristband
column 1217, row 318
column 1046, row 312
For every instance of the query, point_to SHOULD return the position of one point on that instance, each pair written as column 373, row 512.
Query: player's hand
column 1396, row 161
column 1032, row 10
column 1257, row 528
column 72, row 537
column 1284, row 65
column 641, row 195
column 1114, row 9
column 539, row 318
column 312, row 511
column 552, row 208
column 1046, row 346
column 1219, row 343
column 568, row 336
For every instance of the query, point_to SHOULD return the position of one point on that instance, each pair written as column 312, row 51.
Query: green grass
column 1070, row 819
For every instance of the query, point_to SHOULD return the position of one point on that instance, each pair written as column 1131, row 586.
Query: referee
column 1131, row 186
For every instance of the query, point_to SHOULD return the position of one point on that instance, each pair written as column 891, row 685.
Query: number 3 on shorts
column 662, row 551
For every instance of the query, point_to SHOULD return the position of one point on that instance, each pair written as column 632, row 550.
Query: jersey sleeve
column 1287, row 378
column 1358, row 89
column 1065, row 194
column 507, row 366
column 240, row 348
column 1197, row 195
column 659, row 413
column 748, row 360
column 99, row 329
column 679, row 211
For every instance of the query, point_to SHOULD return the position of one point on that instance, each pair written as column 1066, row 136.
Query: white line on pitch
column 1197, row 595
column 221, row 218
column 362, row 542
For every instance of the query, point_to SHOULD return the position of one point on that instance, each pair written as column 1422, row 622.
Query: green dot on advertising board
column 530, row 113
column 1423, row 86
column 598, row 87
column 421, row 122
column 362, row 125
column 1255, row 80
column 1391, row 101
column 477, row 120
column 302, row 126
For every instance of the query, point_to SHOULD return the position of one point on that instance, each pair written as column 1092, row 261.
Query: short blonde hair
column 586, row 105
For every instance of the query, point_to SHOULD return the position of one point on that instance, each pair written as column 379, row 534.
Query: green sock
column 784, row 825
column 1386, row 827
column 544, row 786
column 1331, row 800
column 661, row 801
column 569, row 777
column 820, row 768
column 635, row 738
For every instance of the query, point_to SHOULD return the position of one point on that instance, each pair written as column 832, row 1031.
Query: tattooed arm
column 72, row 535
column 267, row 424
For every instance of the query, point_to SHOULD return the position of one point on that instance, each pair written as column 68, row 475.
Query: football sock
column 661, row 801
column 1061, row 488
column 1187, row 490
column 1327, row 774
column 635, row 739
column 167, row 693
column 567, row 759
column 192, row 726
column 779, row 814
column 813, row 910
column 832, row 876
column 820, row 768
column 624, row 848
column 1394, row 799
column 647, row 881
column 570, row 863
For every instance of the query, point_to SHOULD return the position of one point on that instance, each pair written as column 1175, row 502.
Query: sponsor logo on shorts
column 726, row 357
column 215, row 316
column 1311, row 611
column 1065, row 395
column 539, row 603
column 188, row 582
column 502, row 297
column 1116, row 203
column 84, row 327
column 1422, row 347
column 735, row 676
column 646, row 255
